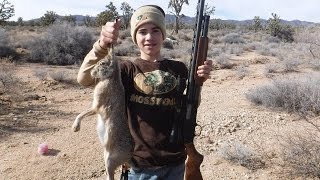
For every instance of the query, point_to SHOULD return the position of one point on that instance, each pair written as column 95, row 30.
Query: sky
column 304, row 10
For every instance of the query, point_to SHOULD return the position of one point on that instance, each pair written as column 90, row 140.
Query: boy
column 150, row 82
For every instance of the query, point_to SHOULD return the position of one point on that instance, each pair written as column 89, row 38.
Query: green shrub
column 286, row 34
column 276, row 29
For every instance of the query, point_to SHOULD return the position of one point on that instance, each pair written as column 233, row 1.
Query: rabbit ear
column 111, row 62
column 93, row 72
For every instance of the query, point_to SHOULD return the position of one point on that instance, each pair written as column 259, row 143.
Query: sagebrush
column 6, row 50
column 62, row 44
column 300, row 154
column 300, row 95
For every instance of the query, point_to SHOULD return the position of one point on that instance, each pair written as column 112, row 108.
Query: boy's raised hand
column 109, row 33
column 205, row 69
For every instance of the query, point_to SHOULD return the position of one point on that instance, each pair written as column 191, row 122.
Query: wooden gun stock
column 193, row 163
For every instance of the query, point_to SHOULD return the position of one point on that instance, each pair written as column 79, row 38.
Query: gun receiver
column 199, row 55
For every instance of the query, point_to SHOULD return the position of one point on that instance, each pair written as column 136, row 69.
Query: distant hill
column 190, row 20
column 294, row 23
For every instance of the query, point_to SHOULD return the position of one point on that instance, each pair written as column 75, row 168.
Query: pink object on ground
column 43, row 148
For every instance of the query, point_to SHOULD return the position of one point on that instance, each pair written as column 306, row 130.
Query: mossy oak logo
column 155, row 82
column 139, row 18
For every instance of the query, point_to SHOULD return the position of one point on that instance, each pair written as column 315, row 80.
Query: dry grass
column 239, row 153
column 300, row 153
column 10, row 86
column 301, row 96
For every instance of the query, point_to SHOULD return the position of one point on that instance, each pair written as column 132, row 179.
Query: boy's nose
column 148, row 36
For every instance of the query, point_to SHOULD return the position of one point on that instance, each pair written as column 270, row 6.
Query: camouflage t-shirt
column 152, row 91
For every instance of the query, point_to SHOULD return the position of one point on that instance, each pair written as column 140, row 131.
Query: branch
column 313, row 124
column 310, row 49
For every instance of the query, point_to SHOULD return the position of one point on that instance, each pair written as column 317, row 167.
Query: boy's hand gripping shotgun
column 199, row 55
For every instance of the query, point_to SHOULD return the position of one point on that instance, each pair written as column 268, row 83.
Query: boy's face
column 149, row 40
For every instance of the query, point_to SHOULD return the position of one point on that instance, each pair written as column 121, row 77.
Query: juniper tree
column 126, row 13
column 208, row 10
column 108, row 15
column 274, row 25
column 88, row 21
column 48, row 18
column 283, row 32
column 70, row 19
column 257, row 24
column 216, row 24
column 20, row 21
column 6, row 11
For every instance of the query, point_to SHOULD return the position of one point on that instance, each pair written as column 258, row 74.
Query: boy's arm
column 97, row 53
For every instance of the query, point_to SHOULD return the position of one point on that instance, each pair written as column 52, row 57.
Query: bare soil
column 49, row 109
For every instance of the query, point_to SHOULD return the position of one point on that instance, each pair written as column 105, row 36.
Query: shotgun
column 194, row 85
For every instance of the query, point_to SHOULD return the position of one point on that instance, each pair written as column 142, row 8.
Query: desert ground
column 229, row 122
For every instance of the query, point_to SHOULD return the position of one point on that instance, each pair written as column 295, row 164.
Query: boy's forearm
column 97, row 53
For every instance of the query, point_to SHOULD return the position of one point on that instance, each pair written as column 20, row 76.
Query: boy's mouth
column 150, row 45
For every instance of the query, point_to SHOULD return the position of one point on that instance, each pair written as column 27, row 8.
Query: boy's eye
column 156, row 30
column 142, row 32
